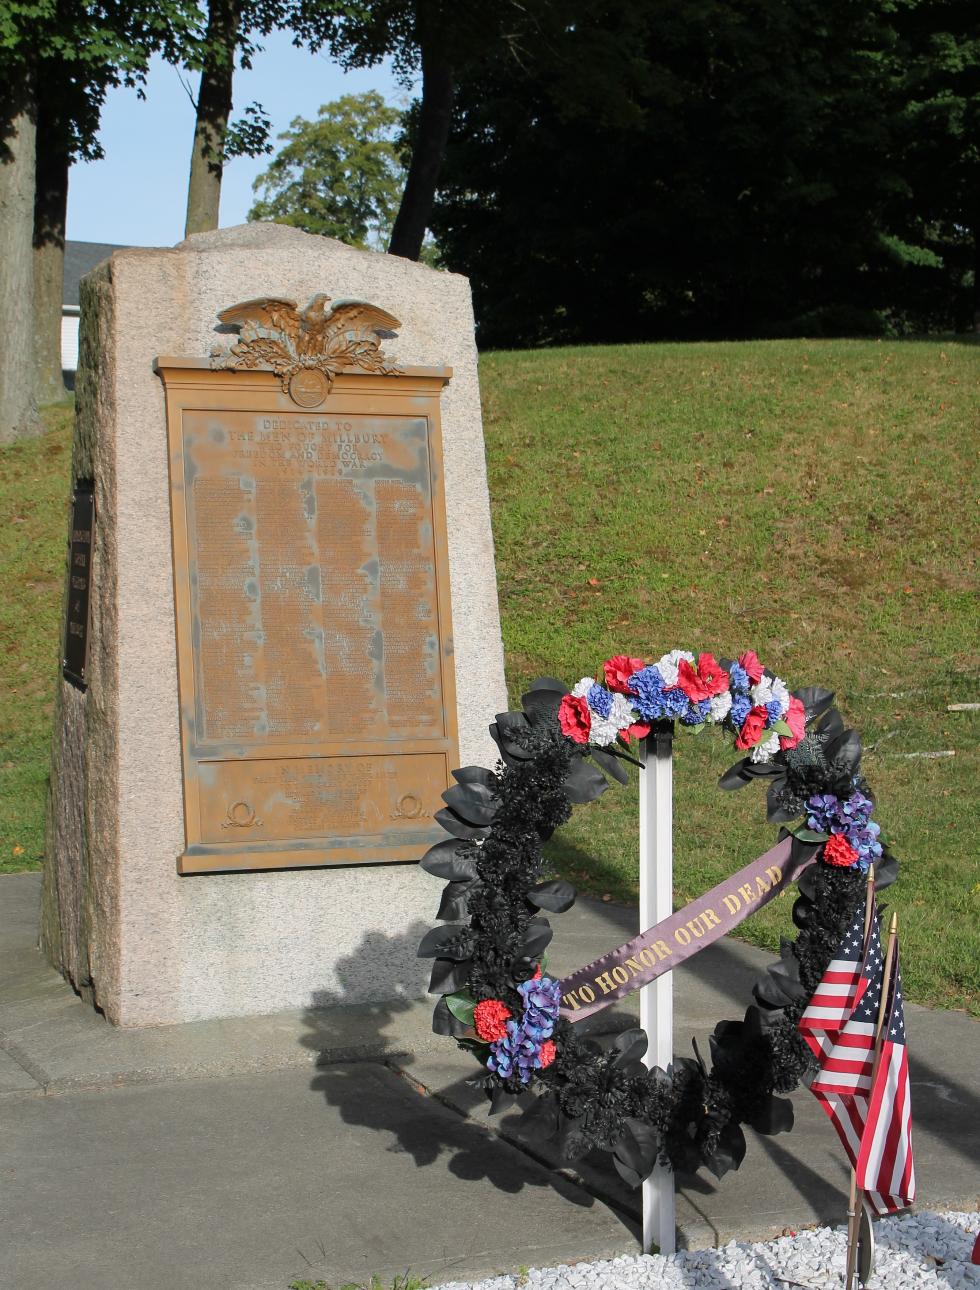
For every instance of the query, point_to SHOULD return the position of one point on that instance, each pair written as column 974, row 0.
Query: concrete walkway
column 341, row 1142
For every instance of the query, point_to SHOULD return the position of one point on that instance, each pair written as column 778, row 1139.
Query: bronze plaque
column 75, row 654
column 314, row 628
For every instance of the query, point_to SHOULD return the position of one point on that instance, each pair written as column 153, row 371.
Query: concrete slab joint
column 154, row 947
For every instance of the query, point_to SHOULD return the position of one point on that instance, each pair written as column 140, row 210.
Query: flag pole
column 656, row 999
column 879, row 1044
column 852, row 1205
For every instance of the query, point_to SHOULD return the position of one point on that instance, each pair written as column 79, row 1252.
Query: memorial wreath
column 490, row 971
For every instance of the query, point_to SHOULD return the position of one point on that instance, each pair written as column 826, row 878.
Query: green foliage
column 717, row 169
column 81, row 51
column 338, row 175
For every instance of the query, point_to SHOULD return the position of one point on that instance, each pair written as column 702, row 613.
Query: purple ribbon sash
column 683, row 934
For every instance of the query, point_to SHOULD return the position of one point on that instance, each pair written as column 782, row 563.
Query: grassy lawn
column 815, row 501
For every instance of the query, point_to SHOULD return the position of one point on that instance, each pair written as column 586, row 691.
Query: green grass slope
column 815, row 501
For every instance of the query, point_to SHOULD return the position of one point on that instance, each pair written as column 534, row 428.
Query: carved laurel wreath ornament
column 496, row 999
column 326, row 337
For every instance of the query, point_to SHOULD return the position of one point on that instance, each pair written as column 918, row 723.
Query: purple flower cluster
column 851, row 817
column 519, row 1052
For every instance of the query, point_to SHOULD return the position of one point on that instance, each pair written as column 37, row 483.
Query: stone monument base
column 151, row 946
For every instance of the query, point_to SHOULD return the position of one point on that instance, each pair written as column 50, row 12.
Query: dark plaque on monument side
column 74, row 658
column 314, row 633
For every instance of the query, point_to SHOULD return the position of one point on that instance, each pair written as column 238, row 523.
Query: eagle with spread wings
column 324, row 327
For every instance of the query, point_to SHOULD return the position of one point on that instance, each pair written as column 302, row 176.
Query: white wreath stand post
column 656, row 999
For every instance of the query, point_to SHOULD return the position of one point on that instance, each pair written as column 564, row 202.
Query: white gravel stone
column 927, row 1250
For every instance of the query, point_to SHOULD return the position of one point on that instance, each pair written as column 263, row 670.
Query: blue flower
column 740, row 709
column 775, row 710
column 696, row 713
column 647, row 686
column 600, row 700
column 543, row 993
column 739, row 679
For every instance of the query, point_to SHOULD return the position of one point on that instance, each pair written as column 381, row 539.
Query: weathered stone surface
column 157, row 948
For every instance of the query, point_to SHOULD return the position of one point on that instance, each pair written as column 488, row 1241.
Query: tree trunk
column 435, row 116
column 50, row 208
column 213, row 111
column 18, row 411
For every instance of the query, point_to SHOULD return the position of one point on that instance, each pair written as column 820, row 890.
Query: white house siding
column 69, row 341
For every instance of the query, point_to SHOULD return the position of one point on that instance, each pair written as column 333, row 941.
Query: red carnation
column 638, row 730
column 490, row 1018
column 753, row 727
column 618, row 671
column 795, row 718
column 547, row 1053
column 574, row 718
column 713, row 674
column 838, row 851
column 537, row 973
column 689, row 681
column 750, row 662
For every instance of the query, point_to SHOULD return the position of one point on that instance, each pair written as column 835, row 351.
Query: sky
column 137, row 194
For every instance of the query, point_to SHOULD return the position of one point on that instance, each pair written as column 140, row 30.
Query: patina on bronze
column 75, row 655
column 314, row 630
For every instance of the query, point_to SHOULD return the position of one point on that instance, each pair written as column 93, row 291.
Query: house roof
column 80, row 258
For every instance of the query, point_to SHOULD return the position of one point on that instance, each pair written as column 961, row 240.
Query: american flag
column 841, row 988
column 869, row 1105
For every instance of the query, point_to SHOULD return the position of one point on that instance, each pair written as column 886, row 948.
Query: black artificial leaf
column 815, row 699
column 776, row 1116
column 539, row 1123
column 541, row 706
column 886, row 871
column 448, row 977
column 536, row 938
column 501, row 1099
column 444, row 1023
column 610, row 764
column 831, row 725
column 455, row 900
column 583, row 783
column 458, row 827
column 511, row 753
column 635, row 1152
column 771, row 989
column 803, row 908
column 845, row 750
column 760, row 769
column 512, row 725
column 477, row 804
column 730, row 1151
column 776, row 813
column 549, row 683
column 475, row 775
column 437, row 942
column 629, row 1046
column 735, row 776
column 556, row 896
column 454, row 861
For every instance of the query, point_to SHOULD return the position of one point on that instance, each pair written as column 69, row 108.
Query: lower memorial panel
column 354, row 807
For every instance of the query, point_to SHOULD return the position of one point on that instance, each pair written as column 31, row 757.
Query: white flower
column 721, row 705
column 581, row 690
column 766, row 750
column 605, row 729
column 780, row 691
column 667, row 667
column 769, row 689
column 762, row 692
